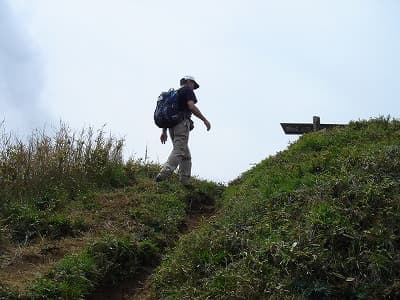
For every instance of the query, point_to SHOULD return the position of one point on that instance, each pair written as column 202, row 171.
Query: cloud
column 21, row 75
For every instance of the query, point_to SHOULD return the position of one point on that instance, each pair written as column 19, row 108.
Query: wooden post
column 316, row 123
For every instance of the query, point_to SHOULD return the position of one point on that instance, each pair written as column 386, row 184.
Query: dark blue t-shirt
column 185, row 94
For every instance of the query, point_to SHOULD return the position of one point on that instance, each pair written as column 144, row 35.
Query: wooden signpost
column 300, row 128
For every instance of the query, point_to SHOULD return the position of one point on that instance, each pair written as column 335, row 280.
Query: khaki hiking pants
column 180, row 155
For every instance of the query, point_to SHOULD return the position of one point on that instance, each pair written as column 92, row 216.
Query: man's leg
column 185, row 167
column 179, row 136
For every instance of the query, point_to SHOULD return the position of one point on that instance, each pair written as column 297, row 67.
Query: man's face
column 191, row 84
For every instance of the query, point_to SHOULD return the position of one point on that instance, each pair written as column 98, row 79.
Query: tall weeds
column 46, row 168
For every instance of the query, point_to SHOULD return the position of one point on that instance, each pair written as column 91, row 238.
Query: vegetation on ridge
column 317, row 221
column 75, row 217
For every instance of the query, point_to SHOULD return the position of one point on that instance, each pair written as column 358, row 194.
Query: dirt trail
column 20, row 266
column 138, row 288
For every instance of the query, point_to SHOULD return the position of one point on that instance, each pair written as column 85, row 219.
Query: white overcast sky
column 259, row 63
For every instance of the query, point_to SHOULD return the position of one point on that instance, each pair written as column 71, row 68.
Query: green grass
column 158, row 211
column 47, row 171
column 106, row 261
column 317, row 221
column 6, row 294
column 117, row 257
column 28, row 222
column 76, row 188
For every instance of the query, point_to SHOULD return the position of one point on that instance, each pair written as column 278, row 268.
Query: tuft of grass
column 27, row 222
column 106, row 261
column 72, row 278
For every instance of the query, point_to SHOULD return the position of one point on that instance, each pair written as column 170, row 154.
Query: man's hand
column 208, row 125
column 164, row 137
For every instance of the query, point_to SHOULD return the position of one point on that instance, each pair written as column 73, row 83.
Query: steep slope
column 317, row 221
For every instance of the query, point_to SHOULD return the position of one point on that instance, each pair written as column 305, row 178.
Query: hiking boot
column 186, row 182
column 188, row 186
column 165, row 173
column 160, row 177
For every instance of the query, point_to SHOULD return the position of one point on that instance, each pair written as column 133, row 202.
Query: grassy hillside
column 317, row 221
column 76, row 218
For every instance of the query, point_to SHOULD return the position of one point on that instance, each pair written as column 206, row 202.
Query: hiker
column 180, row 155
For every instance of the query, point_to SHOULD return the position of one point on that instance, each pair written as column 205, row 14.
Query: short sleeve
column 189, row 95
column 185, row 94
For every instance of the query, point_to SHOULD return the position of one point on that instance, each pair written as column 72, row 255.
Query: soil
column 20, row 266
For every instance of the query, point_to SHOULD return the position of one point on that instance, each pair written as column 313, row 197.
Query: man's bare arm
column 164, row 136
column 196, row 111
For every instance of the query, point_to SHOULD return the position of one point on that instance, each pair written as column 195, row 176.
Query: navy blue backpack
column 167, row 113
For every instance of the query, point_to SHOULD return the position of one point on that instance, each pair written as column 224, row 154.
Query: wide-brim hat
column 196, row 85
